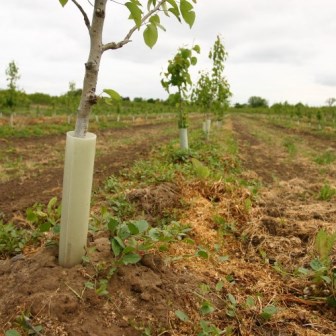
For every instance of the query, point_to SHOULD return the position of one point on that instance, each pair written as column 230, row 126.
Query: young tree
column 150, row 19
column 177, row 75
column 80, row 146
column 202, row 93
column 219, row 85
column 202, row 97
column 12, row 73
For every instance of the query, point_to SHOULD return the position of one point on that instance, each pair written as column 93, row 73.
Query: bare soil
column 278, row 230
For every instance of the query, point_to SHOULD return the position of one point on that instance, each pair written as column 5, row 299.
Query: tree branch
column 86, row 19
column 127, row 38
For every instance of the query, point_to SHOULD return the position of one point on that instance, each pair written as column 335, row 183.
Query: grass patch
column 325, row 158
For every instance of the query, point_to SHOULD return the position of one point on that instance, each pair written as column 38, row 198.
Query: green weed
column 325, row 158
column 321, row 271
column 326, row 192
column 12, row 239
column 290, row 146
column 121, row 207
column 45, row 218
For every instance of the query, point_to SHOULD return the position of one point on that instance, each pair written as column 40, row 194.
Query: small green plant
column 121, row 207
column 326, row 192
column 112, row 185
column 25, row 322
column 209, row 329
column 12, row 239
column 224, row 228
column 268, row 312
column 290, row 146
column 232, row 306
column 200, row 170
column 206, row 328
column 100, row 287
column 44, row 217
column 128, row 240
column 325, row 158
column 131, row 239
column 321, row 271
column 151, row 172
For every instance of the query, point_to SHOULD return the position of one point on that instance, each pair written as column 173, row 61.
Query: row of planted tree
column 210, row 94
column 80, row 144
column 297, row 115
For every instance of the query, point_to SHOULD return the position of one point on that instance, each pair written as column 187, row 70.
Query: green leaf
column 114, row 95
column 185, row 6
column 182, row 315
column 12, row 332
column 86, row 259
column 63, row 3
column 112, row 224
column 193, row 60
column 116, row 246
column 123, row 232
column 231, row 312
column 187, row 13
column 154, row 234
column 51, row 204
column 268, row 312
column 250, row 302
column 131, row 258
column 303, row 270
column 89, row 285
column 150, row 35
column 133, row 228
column 165, row 8
column 207, row 308
column 31, row 215
column 142, row 225
column 119, row 241
column 197, row 48
column 219, row 286
column 232, row 299
column 128, row 249
column 135, row 12
column 155, row 19
column 45, row 227
column 326, row 279
column 175, row 12
column 316, row 265
column 202, row 254
column 173, row 4
column 149, row 4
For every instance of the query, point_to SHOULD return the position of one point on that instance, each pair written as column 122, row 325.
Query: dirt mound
column 157, row 200
column 58, row 298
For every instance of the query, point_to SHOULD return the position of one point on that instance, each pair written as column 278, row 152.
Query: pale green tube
column 77, row 185
column 183, row 132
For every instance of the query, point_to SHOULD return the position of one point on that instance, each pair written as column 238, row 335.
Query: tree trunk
column 88, row 97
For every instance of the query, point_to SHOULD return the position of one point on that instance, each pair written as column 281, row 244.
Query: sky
column 280, row 50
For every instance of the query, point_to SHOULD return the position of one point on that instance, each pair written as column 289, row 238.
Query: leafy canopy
column 177, row 75
column 182, row 10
